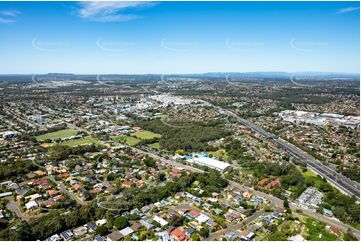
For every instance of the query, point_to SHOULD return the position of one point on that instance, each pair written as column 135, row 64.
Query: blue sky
column 178, row 37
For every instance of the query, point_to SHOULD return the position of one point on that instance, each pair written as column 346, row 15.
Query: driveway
column 14, row 207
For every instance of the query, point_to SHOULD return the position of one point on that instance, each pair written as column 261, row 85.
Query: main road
column 345, row 184
column 274, row 201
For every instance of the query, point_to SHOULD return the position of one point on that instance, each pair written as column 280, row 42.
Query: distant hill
column 210, row 75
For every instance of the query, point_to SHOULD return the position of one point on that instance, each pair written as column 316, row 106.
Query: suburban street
column 274, row 201
column 62, row 187
column 65, row 190
column 231, row 228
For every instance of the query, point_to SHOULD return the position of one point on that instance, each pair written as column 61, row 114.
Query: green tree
column 195, row 237
column 286, row 204
column 204, row 232
column 102, row 230
column 161, row 177
column 121, row 222
column 277, row 236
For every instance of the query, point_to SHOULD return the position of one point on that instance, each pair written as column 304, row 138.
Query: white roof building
column 202, row 218
column 101, row 222
column 160, row 220
column 296, row 238
column 54, row 237
column 80, row 231
column 164, row 236
column 310, row 198
column 126, row 231
column 33, row 196
column 210, row 162
column 31, row 204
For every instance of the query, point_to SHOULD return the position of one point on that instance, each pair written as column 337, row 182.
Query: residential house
column 80, row 231
column 146, row 224
column 31, row 204
column 67, row 235
column 189, row 231
column 335, row 230
column 232, row 216
column 202, row 218
column 232, row 236
column 54, row 237
column 179, row 235
column 136, row 226
column 273, row 183
column 160, row 220
column 247, row 195
column 114, row 236
column 92, row 227
column 207, row 206
column 101, row 222
column 52, row 192
column 247, row 235
column 164, row 236
column 98, row 238
column 126, row 231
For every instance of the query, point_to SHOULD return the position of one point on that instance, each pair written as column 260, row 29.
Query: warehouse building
column 210, row 162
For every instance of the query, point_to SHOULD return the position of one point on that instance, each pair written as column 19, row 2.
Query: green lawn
column 135, row 138
column 129, row 140
column 57, row 135
column 155, row 145
column 146, row 135
column 315, row 231
column 356, row 226
column 290, row 228
column 220, row 154
column 310, row 175
column 83, row 141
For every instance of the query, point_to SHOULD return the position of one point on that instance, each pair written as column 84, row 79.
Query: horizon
column 194, row 73
column 179, row 37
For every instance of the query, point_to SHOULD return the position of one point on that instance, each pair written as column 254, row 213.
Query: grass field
column 146, row 135
column 129, row 140
column 315, row 231
column 220, row 154
column 155, row 145
column 310, row 175
column 57, row 135
column 135, row 138
column 83, row 141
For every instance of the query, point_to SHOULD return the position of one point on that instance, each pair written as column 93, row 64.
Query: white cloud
column 10, row 13
column 347, row 10
column 110, row 11
column 8, row 16
column 6, row 21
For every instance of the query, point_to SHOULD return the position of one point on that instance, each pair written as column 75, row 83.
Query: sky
column 178, row 37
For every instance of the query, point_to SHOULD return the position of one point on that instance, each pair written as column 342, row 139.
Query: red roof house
column 179, row 235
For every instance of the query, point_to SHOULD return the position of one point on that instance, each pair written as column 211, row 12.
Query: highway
column 345, row 184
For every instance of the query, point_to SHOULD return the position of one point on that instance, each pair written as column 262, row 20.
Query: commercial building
column 320, row 119
column 310, row 198
column 9, row 134
column 210, row 162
